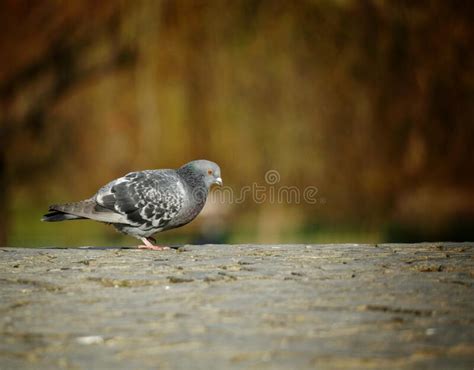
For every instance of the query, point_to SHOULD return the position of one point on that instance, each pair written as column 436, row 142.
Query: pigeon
column 143, row 203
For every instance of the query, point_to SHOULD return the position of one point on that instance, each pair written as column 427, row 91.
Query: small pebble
column 90, row 339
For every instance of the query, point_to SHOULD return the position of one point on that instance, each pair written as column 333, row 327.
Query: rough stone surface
column 239, row 307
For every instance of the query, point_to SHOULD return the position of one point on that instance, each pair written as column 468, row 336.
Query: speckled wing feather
column 147, row 199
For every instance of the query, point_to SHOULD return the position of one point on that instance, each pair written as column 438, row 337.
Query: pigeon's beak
column 218, row 181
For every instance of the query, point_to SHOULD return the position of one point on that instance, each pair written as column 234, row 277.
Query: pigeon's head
column 209, row 172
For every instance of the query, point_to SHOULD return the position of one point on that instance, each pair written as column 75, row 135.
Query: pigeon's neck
column 196, row 195
column 192, row 179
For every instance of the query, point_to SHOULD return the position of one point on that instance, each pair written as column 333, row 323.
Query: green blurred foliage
column 369, row 101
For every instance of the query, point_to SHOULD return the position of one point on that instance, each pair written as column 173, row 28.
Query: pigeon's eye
column 209, row 172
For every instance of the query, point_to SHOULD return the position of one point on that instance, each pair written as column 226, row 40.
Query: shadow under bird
column 144, row 203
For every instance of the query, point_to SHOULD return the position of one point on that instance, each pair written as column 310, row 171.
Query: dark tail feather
column 54, row 216
column 85, row 209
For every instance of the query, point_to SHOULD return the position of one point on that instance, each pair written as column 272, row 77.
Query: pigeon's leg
column 149, row 245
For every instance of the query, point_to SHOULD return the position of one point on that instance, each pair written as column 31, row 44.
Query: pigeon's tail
column 68, row 211
column 85, row 209
column 54, row 216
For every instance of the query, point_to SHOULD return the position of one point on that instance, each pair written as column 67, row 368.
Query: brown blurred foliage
column 370, row 101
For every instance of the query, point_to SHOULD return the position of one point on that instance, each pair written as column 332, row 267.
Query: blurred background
column 371, row 102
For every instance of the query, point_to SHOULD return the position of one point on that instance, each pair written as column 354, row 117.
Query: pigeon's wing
column 147, row 199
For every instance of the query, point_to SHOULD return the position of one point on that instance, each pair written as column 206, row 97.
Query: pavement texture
column 386, row 306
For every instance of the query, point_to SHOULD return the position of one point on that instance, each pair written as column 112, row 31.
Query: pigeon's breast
column 193, row 202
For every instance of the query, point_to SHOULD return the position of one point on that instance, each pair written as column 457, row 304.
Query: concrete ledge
column 239, row 307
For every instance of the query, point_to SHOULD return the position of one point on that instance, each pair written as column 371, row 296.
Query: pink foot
column 148, row 245
column 153, row 247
